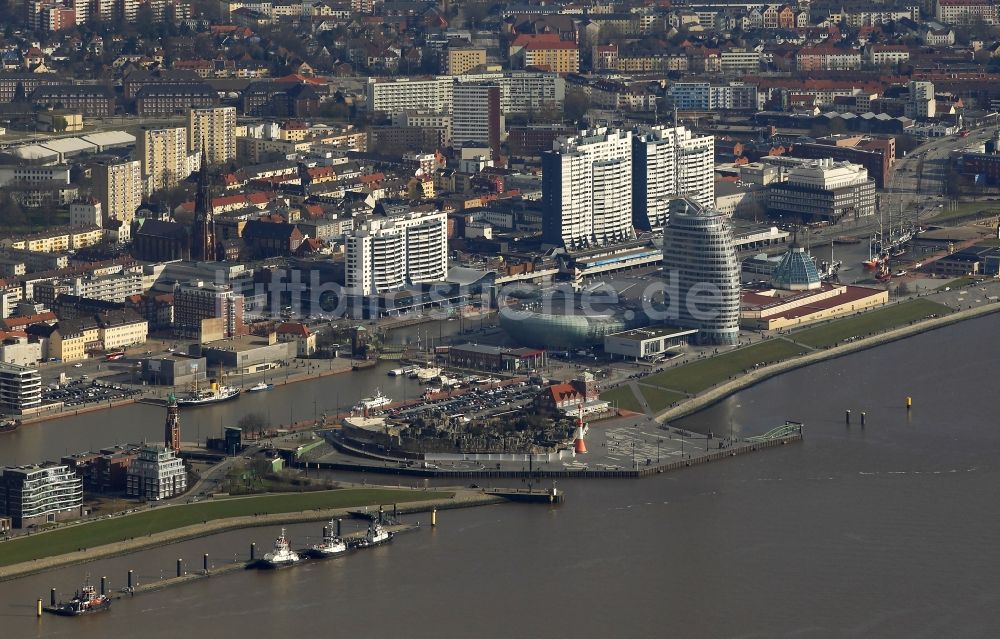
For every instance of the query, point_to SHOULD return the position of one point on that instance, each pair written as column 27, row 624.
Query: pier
column 626, row 453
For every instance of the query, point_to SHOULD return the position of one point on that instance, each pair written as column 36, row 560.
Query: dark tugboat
column 84, row 602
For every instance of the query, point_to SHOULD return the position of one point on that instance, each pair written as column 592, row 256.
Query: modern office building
column 32, row 495
column 157, row 473
column 823, row 190
column 20, row 388
column 164, row 157
column 667, row 161
column 586, row 189
column 217, row 128
column 476, row 118
column 388, row 252
column 118, row 187
column 702, row 273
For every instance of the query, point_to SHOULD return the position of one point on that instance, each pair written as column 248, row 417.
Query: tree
column 11, row 213
column 576, row 104
column 59, row 123
column 252, row 423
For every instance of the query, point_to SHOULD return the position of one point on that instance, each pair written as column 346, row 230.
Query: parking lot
column 475, row 402
column 82, row 393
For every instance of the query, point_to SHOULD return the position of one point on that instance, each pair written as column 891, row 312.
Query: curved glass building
column 569, row 328
column 702, row 272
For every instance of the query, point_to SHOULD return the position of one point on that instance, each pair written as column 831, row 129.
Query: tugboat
column 332, row 544
column 283, row 555
column 376, row 536
column 85, row 601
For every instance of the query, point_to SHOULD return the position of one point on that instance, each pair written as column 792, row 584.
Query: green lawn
column 963, row 209
column 869, row 323
column 957, row 283
column 660, row 398
column 623, row 397
column 164, row 518
column 700, row 375
column 992, row 243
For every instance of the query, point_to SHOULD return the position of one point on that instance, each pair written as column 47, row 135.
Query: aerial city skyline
column 639, row 311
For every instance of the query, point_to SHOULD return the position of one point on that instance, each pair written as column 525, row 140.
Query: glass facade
column 699, row 262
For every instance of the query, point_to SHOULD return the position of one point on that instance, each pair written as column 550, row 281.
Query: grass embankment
column 958, row 282
column 660, row 398
column 869, row 323
column 117, row 529
column 703, row 374
column 966, row 209
column 623, row 397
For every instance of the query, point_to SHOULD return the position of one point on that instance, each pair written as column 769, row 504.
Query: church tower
column 203, row 227
column 172, row 428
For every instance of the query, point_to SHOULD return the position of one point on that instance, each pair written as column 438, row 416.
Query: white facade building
column 433, row 95
column 386, row 253
column 586, row 189
column 656, row 178
column 157, row 473
column 85, row 213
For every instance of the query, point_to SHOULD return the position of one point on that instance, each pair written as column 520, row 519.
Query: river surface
column 884, row 531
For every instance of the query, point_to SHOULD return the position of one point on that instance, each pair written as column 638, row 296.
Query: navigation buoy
column 909, row 402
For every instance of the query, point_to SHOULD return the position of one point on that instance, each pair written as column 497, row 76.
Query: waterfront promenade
column 441, row 499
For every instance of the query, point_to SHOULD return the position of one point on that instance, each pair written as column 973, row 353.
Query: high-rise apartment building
column 198, row 301
column 431, row 95
column 388, row 252
column 216, row 127
column 666, row 162
column 702, row 272
column 118, row 187
column 476, row 118
column 164, row 157
column 20, row 388
column 587, row 189
column 32, row 495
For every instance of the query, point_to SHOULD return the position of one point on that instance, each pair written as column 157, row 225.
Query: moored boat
column 210, row 396
column 376, row 536
column 376, row 401
column 332, row 545
column 282, row 555
column 85, row 602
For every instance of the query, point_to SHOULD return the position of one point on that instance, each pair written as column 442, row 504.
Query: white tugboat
column 376, row 536
column 283, row 554
column 378, row 400
column 332, row 544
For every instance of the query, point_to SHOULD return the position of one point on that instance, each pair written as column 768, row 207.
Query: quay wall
column 756, row 376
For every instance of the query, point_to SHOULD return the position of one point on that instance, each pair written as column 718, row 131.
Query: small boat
column 396, row 372
column 9, row 425
column 331, row 546
column 376, row 536
column 85, row 602
column 376, row 401
column 282, row 555
column 260, row 386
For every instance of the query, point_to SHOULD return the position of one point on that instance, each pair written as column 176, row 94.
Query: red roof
column 28, row 320
column 292, row 328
